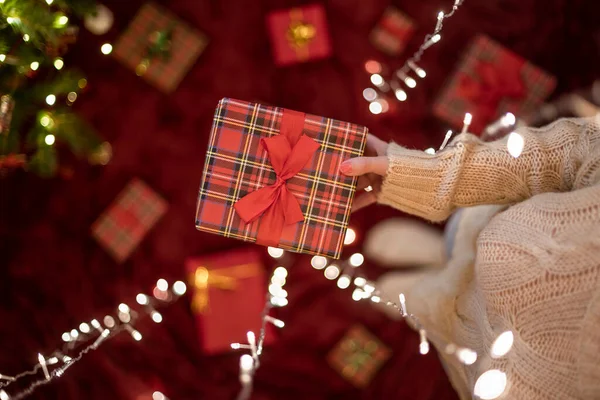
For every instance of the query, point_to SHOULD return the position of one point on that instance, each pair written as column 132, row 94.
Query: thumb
column 363, row 165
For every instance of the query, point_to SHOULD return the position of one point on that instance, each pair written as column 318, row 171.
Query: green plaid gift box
column 358, row 356
column 132, row 214
column 186, row 44
column 491, row 81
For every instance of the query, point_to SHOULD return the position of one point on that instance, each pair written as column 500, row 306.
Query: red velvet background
column 53, row 274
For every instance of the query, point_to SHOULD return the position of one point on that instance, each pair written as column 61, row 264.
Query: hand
column 370, row 171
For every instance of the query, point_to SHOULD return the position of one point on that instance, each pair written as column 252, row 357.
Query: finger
column 376, row 144
column 363, row 182
column 363, row 165
column 363, row 200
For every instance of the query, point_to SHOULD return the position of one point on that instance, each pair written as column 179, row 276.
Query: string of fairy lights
column 402, row 79
column 90, row 335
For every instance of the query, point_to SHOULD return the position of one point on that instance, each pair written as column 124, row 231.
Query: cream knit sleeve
column 470, row 172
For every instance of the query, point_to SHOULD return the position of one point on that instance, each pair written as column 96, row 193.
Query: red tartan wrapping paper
column 186, row 45
column 393, row 32
column 299, row 35
column 133, row 213
column 234, row 308
column 489, row 82
column 237, row 164
column 358, row 356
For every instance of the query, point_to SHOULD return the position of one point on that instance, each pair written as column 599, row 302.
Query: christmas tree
column 36, row 91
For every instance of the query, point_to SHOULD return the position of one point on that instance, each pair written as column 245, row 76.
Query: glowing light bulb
column 66, row 337
column 34, row 65
column 11, row 20
column 369, row 94
column 162, row 285
column 141, row 299
column 410, row 82
column 357, row 259
column 106, row 48
column 84, row 328
column 466, row 356
column 3, row 395
column 74, row 334
column 502, row 344
column 436, row 38
column 50, row 99
column 350, row 236
column 400, row 94
column 136, row 335
column 275, row 252
column 246, row 363
column 369, row 288
column 95, row 324
column 50, row 139
column 124, row 308
column 375, row 108
column 402, row 299
column 490, row 385
column 360, row 281
column 62, row 20
column 109, row 321
column 376, row 79
column 468, row 119
column 2, row 57
column 156, row 317
column 49, row 2
column 357, row 295
column 430, row 150
column 59, row 64
column 343, row 282
column 375, row 299
column 158, row 396
column 179, row 288
column 373, row 67
column 318, row 262
column 277, row 322
column 26, row 38
column 421, row 72
column 515, row 144
column 332, row 272
column 280, row 272
column 508, row 120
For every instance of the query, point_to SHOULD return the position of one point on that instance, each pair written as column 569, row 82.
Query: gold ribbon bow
column 300, row 33
column 223, row 278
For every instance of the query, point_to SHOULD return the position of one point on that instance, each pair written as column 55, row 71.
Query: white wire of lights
column 402, row 78
column 55, row 366
column 276, row 297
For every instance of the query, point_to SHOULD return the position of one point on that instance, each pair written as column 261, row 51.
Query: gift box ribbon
column 300, row 34
column 222, row 278
column 288, row 152
column 494, row 84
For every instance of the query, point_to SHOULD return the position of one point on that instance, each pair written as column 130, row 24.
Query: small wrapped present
column 159, row 47
column 272, row 177
column 299, row 34
column 229, row 294
column 358, row 356
column 393, row 32
column 133, row 213
column 491, row 81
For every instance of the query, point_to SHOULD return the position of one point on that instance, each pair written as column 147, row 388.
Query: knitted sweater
column 529, row 264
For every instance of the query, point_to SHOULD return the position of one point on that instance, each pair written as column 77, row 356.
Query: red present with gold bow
column 159, row 47
column 358, row 356
column 491, row 81
column 133, row 213
column 393, row 32
column 299, row 34
column 229, row 294
column 272, row 177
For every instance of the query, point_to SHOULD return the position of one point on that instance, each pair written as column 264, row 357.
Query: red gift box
column 229, row 294
column 358, row 356
column 272, row 177
column 299, row 34
column 491, row 81
column 133, row 213
column 393, row 32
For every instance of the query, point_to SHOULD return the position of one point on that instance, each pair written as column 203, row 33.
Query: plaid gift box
column 228, row 297
column 271, row 177
column 135, row 210
column 491, row 81
column 299, row 34
column 358, row 356
column 185, row 45
column 393, row 32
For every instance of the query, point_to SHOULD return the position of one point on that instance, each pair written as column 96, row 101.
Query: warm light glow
column 403, row 304
column 424, row 347
column 50, row 99
column 436, row 38
column 11, row 20
column 502, row 344
column 95, row 324
column 82, row 83
column 515, row 144
column 276, row 290
column 45, row 121
column 50, row 139
column 246, row 363
column 84, row 328
column 275, row 252
column 3, row 395
column 62, row 20
column 332, row 272
column 66, row 337
column 376, row 299
column 490, row 385
column 466, row 356
column 350, row 236
column 74, row 334
column 357, row 259
column 59, row 64
column 26, row 37
column 318, row 262
column 124, row 308
column 34, row 65
column 385, row 106
column 508, row 120
column 162, row 285
column 357, row 295
column 410, row 82
column 251, row 338
column 49, row 2
column 360, row 281
column 369, row 94
column 109, row 321
column 280, row 272
column 179, row 288
column 279, row 301
column 421, row 72
column 400, row 94
column 277, row 322
column 376, row 79
column 2, row 57
column 343, row 282
column 430, row 150
column 158, row 396
column 137, row 336
column 106, row 48
column 142, row 299
column 369, row 288
column 156, row 317
column 373, row 67
column 468, row 119
column 236, row 346
column 375, row 108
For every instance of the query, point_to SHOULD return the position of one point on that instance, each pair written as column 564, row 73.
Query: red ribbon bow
column 288, row 152
column 495, row 84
